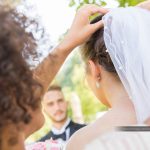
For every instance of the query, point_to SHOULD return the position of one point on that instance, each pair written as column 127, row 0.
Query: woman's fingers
column 91, row 9
column 99, row 10
column 97, row 26
column 81, row 29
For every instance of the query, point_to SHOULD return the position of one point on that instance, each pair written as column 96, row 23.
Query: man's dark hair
column 55, row 88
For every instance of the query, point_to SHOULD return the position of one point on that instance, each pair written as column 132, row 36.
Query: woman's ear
column 94, row 69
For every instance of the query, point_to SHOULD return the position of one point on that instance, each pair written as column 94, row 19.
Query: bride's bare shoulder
column 84, row 136
column 101, row 126
column 80, row 138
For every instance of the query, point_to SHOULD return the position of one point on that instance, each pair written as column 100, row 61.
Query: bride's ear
column 94, row 69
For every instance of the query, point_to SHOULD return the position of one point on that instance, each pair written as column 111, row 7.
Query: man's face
column 55, row 106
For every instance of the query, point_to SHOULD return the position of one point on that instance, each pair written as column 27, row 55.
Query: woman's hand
column 145, row 5
column 81, row 28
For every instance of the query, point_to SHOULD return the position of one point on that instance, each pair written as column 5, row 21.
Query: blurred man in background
column 55, row 106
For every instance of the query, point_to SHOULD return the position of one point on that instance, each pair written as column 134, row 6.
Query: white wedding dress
column 121, row 141
column 127, row 38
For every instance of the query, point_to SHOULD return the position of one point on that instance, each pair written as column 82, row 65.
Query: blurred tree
column 124, row 3
column 121, row 3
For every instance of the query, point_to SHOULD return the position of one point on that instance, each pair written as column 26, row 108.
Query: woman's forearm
column 47, row 70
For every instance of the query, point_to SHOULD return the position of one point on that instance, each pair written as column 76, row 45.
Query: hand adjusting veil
column 127, row 38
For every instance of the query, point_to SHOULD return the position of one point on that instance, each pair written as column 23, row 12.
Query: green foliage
column 79, row 3
column 122, row 3
column 72, row 3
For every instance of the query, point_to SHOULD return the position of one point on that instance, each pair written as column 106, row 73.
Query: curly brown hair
column 19, row 92
column 95, row 49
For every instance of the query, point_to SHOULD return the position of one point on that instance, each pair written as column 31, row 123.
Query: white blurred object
column 76, row 108
column 121, row 141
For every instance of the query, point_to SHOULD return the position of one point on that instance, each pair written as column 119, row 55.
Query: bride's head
column 100, row 71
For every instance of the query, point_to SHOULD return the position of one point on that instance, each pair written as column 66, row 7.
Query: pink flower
column 47, row 145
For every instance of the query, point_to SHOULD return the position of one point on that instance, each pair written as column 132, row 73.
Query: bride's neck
column 121, row 103
column 117, row 95
column 12, row 139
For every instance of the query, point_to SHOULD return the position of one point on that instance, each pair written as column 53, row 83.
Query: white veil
column 127, row 38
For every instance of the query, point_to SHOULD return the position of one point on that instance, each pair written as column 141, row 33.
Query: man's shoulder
column 76, row 142
column 76, row 125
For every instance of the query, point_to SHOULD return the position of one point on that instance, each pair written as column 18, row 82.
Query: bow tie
column 59, row 136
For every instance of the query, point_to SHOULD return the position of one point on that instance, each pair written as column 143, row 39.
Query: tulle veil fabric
column 127, row 38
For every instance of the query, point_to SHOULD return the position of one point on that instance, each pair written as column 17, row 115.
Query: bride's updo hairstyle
column 94, row 49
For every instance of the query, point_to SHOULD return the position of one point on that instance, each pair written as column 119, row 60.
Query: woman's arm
column 79, row 32
column 145, row 5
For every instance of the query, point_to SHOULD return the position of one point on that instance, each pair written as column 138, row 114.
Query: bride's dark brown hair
column 95, row 49
column 19, row 92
